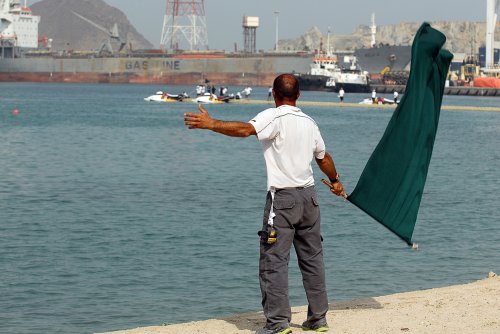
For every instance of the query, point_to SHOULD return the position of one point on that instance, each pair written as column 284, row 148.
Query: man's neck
column 280, row 103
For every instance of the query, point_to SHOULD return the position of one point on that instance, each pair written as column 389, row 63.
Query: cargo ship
column 20, row 60
column 144, row 68
column 384, row 57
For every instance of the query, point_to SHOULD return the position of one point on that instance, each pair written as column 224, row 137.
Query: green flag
column 391, row 185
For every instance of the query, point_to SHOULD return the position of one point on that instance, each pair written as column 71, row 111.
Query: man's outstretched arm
column 204, row 121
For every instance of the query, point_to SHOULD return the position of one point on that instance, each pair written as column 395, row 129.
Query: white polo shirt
column 290, row 140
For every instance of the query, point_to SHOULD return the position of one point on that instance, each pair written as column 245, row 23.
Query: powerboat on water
column 211, row 98
column 165, row 97
column 206, row 94
column 381, row 100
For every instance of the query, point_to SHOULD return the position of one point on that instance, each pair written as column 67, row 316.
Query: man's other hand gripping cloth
column 391, row 185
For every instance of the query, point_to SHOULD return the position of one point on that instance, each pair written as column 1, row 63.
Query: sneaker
column 278, row 330
column 317, row 326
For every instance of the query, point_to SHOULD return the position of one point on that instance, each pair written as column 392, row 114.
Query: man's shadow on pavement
column 256, row 320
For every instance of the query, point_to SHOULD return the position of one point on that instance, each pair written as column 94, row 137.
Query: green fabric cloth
column 391, row 185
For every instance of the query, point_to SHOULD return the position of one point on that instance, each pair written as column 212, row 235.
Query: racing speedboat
column 211, row 98
column 165, row 97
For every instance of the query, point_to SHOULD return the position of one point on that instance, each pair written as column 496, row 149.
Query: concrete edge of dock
column 357, row 105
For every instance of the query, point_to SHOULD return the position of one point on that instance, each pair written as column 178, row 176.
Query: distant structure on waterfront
column 492, row 12
column 184, row 21
column 78, row 54
column 18, row 28
column 250, row 25
column 373, row 30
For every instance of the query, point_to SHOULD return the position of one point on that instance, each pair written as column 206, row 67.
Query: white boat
column 321, row 74
column 381, row 100
column 327, row 75
column 165, row 97
column 351, row 77
column 211, row 98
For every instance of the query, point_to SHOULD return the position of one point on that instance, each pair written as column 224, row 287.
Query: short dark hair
column 286, row 86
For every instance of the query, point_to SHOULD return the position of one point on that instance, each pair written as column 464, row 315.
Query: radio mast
column 184, row 22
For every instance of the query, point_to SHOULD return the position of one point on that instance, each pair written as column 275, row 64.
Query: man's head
column 286, row 88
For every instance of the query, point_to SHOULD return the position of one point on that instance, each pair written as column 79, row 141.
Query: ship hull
column 310, row 82
column 353, row 88
column 255, row 71
column 235, row 79
column 376, row 59
column 314, row 83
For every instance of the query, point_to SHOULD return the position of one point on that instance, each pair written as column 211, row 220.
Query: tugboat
column 352, row 78
column 327, row 75
column 323, row 69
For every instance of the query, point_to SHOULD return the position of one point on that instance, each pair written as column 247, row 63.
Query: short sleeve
column 319, row 152
column 266, row 124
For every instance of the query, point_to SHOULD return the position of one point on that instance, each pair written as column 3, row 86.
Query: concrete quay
column 452, row 90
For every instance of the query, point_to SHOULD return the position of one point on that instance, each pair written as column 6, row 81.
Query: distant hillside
column 461, row 37
column 70, row 32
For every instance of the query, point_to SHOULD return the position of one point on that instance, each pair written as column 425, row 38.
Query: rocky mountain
column 70, row 32
column 462, row 37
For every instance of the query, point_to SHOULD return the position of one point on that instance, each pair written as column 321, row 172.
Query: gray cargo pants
column 297, row 221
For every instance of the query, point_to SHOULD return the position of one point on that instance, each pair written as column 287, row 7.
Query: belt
column 298, row 188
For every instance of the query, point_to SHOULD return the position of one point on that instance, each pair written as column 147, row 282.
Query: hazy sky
column 224, row 17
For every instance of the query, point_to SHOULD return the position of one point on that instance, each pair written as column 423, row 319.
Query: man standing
column 290, row 139
column 395, row 96
column 341, row 94
column 247, row 91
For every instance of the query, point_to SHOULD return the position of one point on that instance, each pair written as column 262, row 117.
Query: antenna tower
column 184, row 21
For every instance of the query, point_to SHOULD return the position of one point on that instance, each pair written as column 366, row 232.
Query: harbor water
column 113, row 215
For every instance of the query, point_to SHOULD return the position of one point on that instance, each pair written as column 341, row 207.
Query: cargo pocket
column 315, row 209
column 315, row 200
column 283, row 208
column 282, row 204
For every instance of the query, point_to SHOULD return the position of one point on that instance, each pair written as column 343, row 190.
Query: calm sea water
column 113, row 215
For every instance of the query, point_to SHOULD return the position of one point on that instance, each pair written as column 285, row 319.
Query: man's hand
column 337, row 188
column 198, row 121
column 204, row 121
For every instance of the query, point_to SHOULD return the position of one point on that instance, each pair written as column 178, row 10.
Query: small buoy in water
column 15, row 112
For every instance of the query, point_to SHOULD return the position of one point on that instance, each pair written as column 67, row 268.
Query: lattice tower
column 184, row 26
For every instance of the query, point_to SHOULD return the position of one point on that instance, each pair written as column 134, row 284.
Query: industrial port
column 24, row 58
